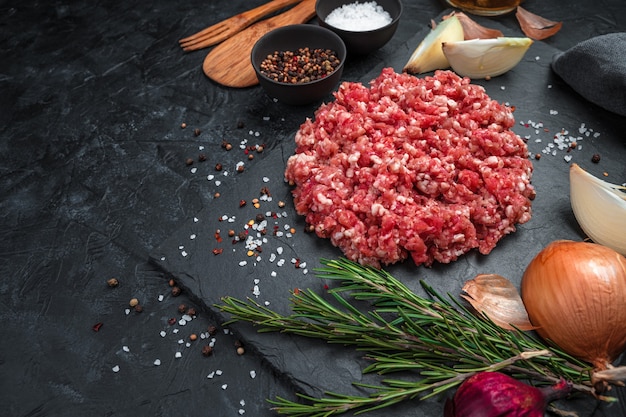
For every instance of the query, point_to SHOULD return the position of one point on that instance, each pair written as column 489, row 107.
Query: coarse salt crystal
column 157, row 362
column 116, row 368
column 125, row 348
column 178, row 355
column 241, row 411
column 224, row 386
column 163, row 334
column 160, row 297
column 253, row 374
column 359, row 17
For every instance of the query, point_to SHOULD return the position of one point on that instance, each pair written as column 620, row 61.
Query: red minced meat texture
column 427, row 167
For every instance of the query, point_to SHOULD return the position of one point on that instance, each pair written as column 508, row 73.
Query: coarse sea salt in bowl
column 279, row 55
column 364, row 26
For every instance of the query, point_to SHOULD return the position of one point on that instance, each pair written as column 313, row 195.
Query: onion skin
column 494, row 394
column 575, row 293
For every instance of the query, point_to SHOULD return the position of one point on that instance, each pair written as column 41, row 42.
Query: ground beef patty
column 426, row 167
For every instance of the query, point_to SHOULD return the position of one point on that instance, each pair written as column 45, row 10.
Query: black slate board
column 539, row 97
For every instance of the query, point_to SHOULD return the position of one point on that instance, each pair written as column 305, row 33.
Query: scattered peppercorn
column 595, row 158
column 260, row 148
column 537, row 156
column 171, row 321
column 176, row 291
column 96, row 327
column 240, row 124
column 189, row 161
column 182, row 308
column 196, row 132
column 240, row 168
column 242, row 203
column 183, row 125
column 218, row 167
column 202, row 157
column 138, row 308
column 302, row 66
column 240, row 351
column 217, row 251
column 193, row 337
column 260, row 217
column 212, row 330
column 192, row 312
column 133, row 302
column 281, row 204
column 113, row 282
column 207, row 350
column 171, row 282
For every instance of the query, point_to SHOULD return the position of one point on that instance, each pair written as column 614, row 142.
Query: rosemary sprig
column 438, row 338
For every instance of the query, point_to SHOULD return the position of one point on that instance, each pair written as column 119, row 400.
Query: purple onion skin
column 493, row 394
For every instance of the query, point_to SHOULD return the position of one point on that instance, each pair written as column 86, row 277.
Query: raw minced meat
column 427, row 167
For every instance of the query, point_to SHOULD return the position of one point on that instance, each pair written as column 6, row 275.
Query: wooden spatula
column 229, row 62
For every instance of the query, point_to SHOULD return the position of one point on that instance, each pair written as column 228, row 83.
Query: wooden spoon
column 229, row 62
column 226, row 28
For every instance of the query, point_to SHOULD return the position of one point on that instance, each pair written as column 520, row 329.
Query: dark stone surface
column 94, row 184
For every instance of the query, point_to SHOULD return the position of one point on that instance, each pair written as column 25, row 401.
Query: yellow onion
column 575, row 293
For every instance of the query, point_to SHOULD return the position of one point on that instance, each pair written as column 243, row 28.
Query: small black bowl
column 361, row 42
column 291, row 38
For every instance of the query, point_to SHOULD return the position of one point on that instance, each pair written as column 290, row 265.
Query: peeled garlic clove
column 428, row 55
column 599, row 208
column 485, row 58
column 497, row 298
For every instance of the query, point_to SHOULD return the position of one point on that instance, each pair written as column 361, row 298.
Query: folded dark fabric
column 596, row 69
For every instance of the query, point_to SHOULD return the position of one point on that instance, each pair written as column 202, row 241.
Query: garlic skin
column 485, row 58
column 497, row 298
column 575, row 293
column 428, row 56
column 494, row 394
column 599, row 208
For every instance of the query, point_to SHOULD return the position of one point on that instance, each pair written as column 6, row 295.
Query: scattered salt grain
column 242, row 411
column 178, row 355
column 224, row 386
column 116, row 368
column 359, row 17
column 160, row 297
column 211, row 375
column 157, row 362
column 253, row 374
column 193, row 170
column 125, row 348
column 163, row 334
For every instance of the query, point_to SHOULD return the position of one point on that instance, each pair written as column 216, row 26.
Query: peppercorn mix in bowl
column 299, row 64
column 364, row 26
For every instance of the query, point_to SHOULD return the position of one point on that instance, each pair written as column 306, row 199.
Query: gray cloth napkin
column 596, row 69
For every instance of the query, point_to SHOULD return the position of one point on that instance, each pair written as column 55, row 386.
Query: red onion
column 494, row 394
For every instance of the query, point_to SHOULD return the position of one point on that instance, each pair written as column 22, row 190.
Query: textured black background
column 94, row 182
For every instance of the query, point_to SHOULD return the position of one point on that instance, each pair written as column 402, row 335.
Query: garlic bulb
column 485, row 58
column 575, row 293
column 599, row 208
column 428, row 56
